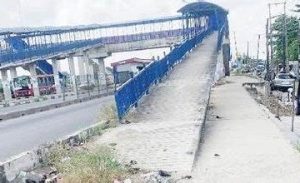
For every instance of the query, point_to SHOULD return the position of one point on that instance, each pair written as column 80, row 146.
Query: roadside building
column 126, row 69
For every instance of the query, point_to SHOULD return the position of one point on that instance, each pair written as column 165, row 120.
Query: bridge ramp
column 167, row 123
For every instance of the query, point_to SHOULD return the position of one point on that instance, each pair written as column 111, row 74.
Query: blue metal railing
column 221, row 34
column 131, row 92
column 45, row 50
column 21, row 51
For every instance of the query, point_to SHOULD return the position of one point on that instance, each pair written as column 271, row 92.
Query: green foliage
column 292, row 37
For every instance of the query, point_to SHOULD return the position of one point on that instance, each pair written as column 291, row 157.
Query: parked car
column 283, row 81
column 259, row 69
column 246, row 69
column 293, row 75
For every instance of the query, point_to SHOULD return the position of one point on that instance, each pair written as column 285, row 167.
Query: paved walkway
column 169, row 119
column 243, row 145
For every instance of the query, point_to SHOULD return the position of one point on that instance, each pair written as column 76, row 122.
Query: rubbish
column 164, row 173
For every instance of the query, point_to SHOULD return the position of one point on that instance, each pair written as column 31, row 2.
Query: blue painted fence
column 128, row 95
column 20, row 50
column 44, row 50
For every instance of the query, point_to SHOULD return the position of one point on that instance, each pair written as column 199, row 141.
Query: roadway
column 25, row 133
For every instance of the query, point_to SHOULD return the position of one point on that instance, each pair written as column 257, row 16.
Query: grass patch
column 97, row 166
column 80, row 164
column 109, row 117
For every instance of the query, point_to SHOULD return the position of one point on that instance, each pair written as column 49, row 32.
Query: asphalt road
column 24, row 133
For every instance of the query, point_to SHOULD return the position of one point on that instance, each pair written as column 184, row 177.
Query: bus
column 22, row 86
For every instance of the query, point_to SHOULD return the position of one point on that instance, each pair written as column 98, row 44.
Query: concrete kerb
column 200, row 128
column 17, row 114
column 200, row 124
column 28, row 161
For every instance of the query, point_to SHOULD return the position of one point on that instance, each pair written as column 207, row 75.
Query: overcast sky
column 247, row 17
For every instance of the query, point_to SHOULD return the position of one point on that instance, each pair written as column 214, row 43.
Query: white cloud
column 247, row 17
column 74, row 12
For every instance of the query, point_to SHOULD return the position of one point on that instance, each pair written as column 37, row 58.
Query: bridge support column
column 90, row 71
column 102, row 74
column 226, row 56
column 81, row 69
column 55, row 65
column 34, row 80
column 72, row 73
column 13, row 72
column 6, row 85
column 86, row 67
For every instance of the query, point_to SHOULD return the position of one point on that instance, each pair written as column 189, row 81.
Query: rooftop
column 202, row 8
column 130, row 61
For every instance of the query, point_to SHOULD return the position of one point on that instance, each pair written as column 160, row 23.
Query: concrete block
column 23, row 162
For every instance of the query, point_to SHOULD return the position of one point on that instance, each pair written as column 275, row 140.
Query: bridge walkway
column 244, row 144
column 166, row 125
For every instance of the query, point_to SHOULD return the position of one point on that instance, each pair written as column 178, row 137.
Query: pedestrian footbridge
column 39, row 51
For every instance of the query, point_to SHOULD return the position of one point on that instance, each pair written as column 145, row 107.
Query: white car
column 283, row 81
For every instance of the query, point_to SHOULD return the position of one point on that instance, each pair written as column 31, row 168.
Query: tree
column 292, row 38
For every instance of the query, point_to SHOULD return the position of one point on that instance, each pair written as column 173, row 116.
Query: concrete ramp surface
column 168, row 121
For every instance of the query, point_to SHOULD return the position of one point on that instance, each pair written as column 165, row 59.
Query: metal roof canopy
column 57, row 30
column 202, row 8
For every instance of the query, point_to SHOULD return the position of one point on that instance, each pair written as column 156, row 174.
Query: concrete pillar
column 55, row 65
column 34, row 80
column 6, row 85
column 92, row 71
column 81, row 69
column 72, row 72
column 85, row 63
column 102, row 74
column 226, row 56
column 13, row 72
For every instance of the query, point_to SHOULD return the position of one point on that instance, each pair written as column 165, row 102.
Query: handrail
column 128, row 95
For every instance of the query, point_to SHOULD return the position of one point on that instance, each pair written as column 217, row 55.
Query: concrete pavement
column 166, row 125
column 243, row 144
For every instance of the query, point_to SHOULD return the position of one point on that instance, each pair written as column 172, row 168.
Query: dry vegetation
column 82, row 165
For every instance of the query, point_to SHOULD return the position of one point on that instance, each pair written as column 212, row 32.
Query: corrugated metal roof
column 131, row 60
column 57, row 30
column 202, row 8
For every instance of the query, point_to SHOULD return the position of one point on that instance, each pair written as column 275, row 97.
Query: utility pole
column 270, row 36
column 267, row 78
column 237, row 54
column 298, row 90
column 267, row 51
column 285, row 42
column 258, row 42
column 247, row 52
